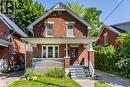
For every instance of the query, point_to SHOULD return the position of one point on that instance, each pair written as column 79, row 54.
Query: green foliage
column 76, row 7
column 124, row 53
column 93, row 32
column 124, row 40
column 105, row 58
column 91, row 15
column 56, row 73
column 101, row 84
column 27, row 11
column 30, row 74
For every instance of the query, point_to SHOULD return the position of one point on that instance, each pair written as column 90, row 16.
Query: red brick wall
column 59, row 27
column 17, row 44
column 112, row 36
column 4, row 30
column 4, row 52
column 82, row 53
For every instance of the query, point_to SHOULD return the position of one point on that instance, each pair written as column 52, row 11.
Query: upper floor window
column 70, row 29
column 105, row 39
column 49, row 29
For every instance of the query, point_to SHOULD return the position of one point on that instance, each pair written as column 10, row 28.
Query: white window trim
column 67, row 23
column 105, row 40
column 49, row 22
column 47, row 50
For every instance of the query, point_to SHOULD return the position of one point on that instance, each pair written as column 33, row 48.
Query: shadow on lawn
column 48, row 83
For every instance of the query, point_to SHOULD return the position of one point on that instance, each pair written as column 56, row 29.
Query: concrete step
column 79, row 72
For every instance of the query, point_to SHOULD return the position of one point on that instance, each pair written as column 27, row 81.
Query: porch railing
column 92, row 70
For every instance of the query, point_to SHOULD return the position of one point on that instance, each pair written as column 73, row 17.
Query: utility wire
column 113, row 11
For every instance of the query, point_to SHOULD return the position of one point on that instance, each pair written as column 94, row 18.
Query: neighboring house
column 60, row 37
column 12, row 47
column 109, row 34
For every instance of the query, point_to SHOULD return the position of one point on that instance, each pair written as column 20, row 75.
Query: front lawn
column 101, row 84
column 45, row 82
column 53, row 78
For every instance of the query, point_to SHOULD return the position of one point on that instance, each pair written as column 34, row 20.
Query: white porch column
column 90, row 48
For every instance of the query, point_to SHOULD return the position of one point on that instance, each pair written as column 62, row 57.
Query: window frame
column 67, row 34
column 53, row 49
column 49, row 23
column 106, row 39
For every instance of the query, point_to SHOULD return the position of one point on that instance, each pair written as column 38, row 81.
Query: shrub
column 29, row 73
column 124, row 65
column 105, row 58
column 56, row 73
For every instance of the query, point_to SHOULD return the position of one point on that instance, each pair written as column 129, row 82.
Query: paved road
column 10, row 77
column 112, row 79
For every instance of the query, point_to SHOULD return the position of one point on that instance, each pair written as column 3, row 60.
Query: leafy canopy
column 91, row 15
column 27, row 11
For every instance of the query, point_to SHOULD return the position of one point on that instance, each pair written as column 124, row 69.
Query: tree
column 91, row 15
column 27, row 11
column 77, row 8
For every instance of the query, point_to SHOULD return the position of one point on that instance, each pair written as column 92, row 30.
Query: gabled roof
column 109, row 28
column 59, row 7
column 123, row 26
column 118, row 29
column 12, row 25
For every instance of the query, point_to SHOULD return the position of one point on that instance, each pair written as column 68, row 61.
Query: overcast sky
column 122, row 14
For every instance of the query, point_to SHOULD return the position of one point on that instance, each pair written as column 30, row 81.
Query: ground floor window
column 50, row 51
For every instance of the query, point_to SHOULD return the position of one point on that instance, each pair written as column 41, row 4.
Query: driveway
column 112, row 79
column 10, row 77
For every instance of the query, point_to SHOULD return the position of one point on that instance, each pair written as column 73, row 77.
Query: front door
column 74, row 55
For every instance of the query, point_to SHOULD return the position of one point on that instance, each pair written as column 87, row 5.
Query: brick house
column 60, row 39
column 108, row 34
column 12, row 47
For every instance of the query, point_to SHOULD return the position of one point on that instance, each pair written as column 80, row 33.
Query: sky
column 121, row 14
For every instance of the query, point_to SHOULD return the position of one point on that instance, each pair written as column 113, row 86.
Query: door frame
column 72, row 60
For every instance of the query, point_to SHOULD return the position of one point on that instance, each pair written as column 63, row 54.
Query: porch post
column 66, row 60
column 28, row 56
column 66, row 50
column 91, row 54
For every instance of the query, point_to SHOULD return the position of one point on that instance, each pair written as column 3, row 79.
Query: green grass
column 101, row 84
column 45, row 82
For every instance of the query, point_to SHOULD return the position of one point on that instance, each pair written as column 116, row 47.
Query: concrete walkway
column 112, row 79
column 85, row 82
column 10, row 77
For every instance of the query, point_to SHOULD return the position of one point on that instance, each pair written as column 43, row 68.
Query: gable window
column 70, row 29
column 105, row 39
column 49, row 29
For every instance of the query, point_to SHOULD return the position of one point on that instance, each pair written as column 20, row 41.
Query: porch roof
column 4, row 43
column 61, row 40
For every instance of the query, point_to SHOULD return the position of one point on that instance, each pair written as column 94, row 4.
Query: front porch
column 71, row 50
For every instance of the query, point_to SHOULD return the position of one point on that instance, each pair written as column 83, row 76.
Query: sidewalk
column 85, row 82
column 10, row 77
column 112, row 79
